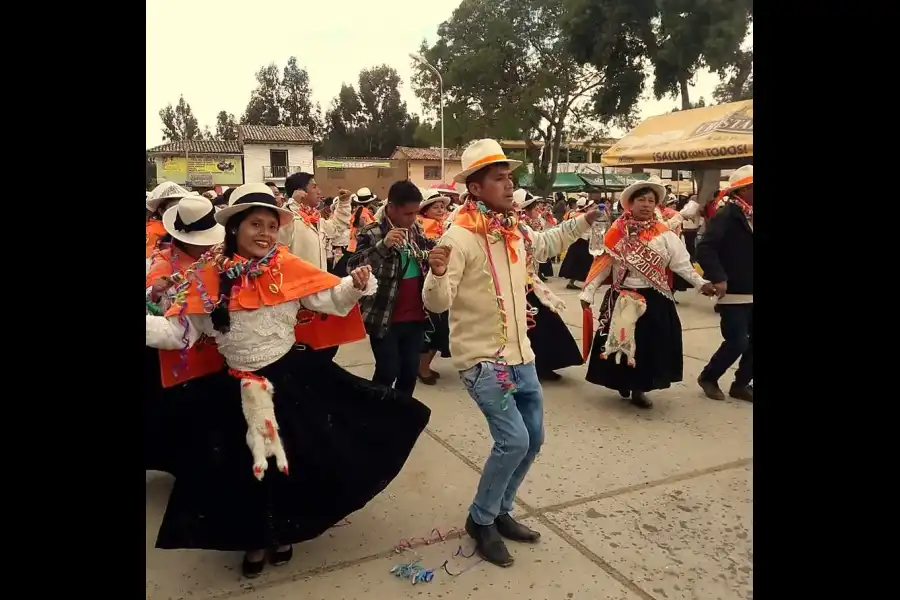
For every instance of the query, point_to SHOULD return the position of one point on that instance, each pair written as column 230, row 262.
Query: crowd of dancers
column 249, row 295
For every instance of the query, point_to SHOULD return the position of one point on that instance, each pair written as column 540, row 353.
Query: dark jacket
column 386, row 268
column 725, row 252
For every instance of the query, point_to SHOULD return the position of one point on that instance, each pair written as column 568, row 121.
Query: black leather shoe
column 252, row 570
column 488, row 543
column 549, row 376
column 742, row 392
column 711, row 389
column 625, row 394
column 281, row 558
column 515, row 531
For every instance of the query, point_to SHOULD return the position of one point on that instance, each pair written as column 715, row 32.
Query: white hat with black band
column 193, row 221
column 253, row 195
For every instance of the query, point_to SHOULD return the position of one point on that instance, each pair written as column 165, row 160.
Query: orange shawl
column 155, row 230
column 469, row 217
column 163, row 266
column 613, row 236
column 432, row 228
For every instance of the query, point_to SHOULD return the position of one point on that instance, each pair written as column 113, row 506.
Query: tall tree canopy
column 179, row 122
column 737, row 81
column 265, row 103
column 369, row 120
column 226, row 126
column 675, row 37
column 297, row 107
column 508, row 73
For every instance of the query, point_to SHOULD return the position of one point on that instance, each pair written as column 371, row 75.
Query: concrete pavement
column 632, row 504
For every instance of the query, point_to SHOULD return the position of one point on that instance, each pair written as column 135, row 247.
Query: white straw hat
column 167, row 190
column 522, row 199
column 252, row 195
column 480, row 154
column 193, row 221
column 656, row 186
column 432, row 198
column 363, row 196
column 739, row 178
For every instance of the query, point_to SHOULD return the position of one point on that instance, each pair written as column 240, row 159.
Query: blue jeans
column 518, row 434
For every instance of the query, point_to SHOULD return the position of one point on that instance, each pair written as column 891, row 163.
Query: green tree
column 676, row 37
column 737, row 81
column 698, row 104
column 179, row 122
column 297, row 107
column 508, row 73
column 370, row 120
column 265, row 103
column 226, row 126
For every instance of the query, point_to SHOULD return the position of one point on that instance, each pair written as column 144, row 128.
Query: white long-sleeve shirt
column 671, row 249
column 309, row 242
column 257, row 337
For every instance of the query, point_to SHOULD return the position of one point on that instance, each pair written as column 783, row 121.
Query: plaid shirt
column 386, row 268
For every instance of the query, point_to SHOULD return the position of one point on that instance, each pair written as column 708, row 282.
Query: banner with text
column 711, row 133
column 218, row 169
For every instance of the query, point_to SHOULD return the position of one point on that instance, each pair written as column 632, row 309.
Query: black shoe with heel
column 488, row 543
column 515, row 531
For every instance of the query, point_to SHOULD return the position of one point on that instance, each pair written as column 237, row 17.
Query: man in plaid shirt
column 396, row 249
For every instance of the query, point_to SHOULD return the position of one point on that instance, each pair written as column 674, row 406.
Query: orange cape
column 365, row 218
column 470, row 218
column 284, row 279
column 432, row 228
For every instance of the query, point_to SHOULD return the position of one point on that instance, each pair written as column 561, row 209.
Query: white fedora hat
column 739, row 178
column 363, row 196
column 252, row 195
column 165, row 191
column 654, row 183
column 480, row 154
column 522, row 199
column 193, row 221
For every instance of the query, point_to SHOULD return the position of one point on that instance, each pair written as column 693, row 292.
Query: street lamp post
column 421, row 59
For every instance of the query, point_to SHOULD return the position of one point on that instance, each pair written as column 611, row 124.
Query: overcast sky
column 333, row 40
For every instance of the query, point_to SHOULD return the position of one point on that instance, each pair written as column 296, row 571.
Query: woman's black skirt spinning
column 552, row 342
column 345, row 439
column 658, row 358
column 577, row 262
column 437, row 333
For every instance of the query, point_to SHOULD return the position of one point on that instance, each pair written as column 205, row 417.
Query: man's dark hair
column 572, row 202
column 404, row 192
column 479, row 175
column 227, row 195
column 271, row 184
column 297, row 181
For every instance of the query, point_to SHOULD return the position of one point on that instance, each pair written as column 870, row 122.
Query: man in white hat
column 490, row 346
column 308, row 234
column 725, row 253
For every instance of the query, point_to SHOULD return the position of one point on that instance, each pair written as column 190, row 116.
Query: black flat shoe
column 549, row 376
column 742, row 392
column 434, row 373
column 252, row 570
column 515, row 531
column 429, row 380
column 281, row 558
column 641, row 400
column 625, row 394
column 711, row 389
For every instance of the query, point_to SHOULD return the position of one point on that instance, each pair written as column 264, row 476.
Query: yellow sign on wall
column 225, row 169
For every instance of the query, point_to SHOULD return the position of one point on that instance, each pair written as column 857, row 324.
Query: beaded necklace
column 745, row 208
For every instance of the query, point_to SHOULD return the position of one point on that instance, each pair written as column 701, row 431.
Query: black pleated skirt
column 552, row 342
column 345, row 438
column 437, row 333
column 577, row 262
column 658, row 357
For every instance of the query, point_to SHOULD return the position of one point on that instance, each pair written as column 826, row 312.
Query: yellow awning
column 712, row 133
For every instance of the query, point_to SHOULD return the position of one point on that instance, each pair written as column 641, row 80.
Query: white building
column 274, row 153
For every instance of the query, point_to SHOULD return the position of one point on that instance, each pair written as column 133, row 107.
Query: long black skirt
column 545, row 269
column 658, row 358
column 345, row 438
column 437, row 333
column 552, row 343
column 577, row 262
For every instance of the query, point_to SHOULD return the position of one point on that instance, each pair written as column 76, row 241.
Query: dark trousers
column 737, row 329
column 397, row 355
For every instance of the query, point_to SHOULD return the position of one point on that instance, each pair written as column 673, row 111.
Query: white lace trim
column 259, row 337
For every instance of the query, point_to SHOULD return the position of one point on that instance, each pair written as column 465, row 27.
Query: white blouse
column 672, row 250
column 257, row 337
